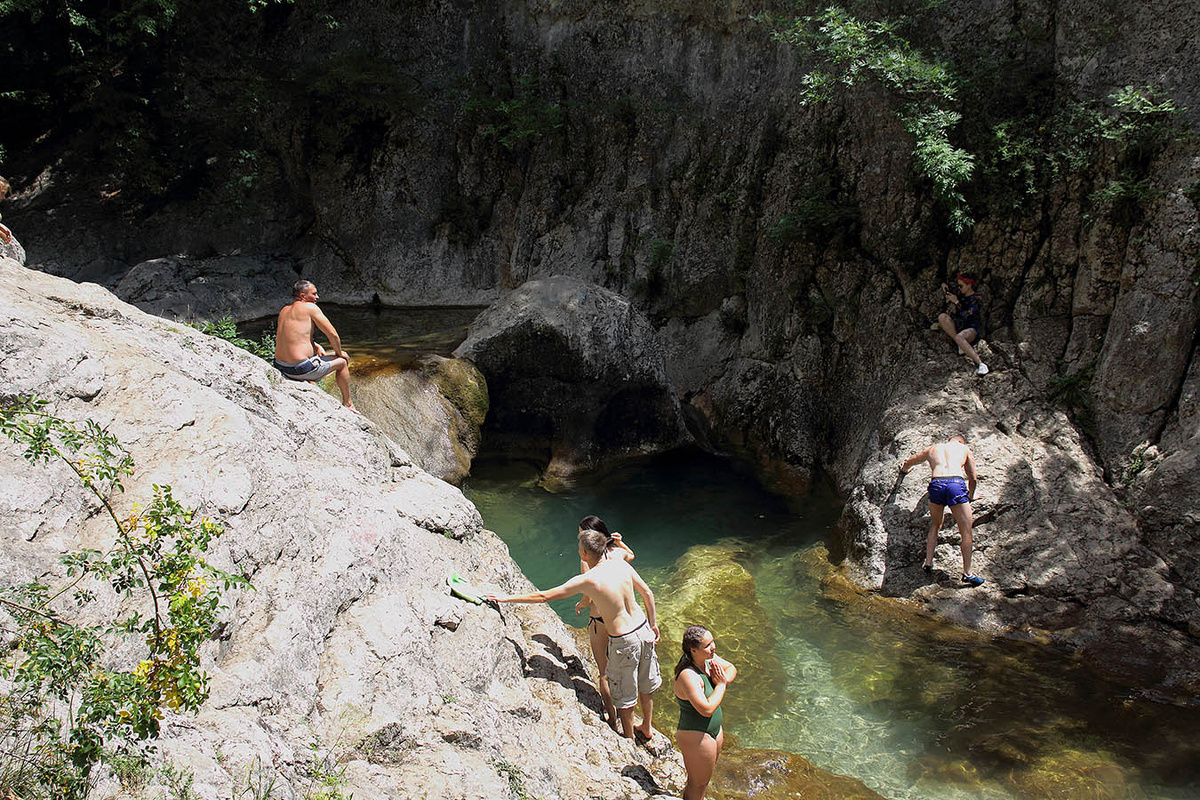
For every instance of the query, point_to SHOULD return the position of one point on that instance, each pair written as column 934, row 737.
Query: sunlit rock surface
column 435, row 411
column 1062, row 554
column 350, row 640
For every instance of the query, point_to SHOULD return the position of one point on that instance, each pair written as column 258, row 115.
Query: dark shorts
column 948, row 491
column 962, row 322
column 310, row 369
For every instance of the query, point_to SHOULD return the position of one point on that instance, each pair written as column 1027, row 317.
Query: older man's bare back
column 611, row 585
column 297, row 354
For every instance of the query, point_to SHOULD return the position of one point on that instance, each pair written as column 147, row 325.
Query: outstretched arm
column 573, row 586
column 919, row 458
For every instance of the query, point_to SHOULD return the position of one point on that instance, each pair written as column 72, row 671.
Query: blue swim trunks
column 948, row 491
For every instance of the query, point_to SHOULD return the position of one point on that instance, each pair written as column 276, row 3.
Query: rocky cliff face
column 790, row 261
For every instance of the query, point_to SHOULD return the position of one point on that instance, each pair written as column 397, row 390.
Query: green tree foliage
column 71, row 702
column 987, row 136
column 225, row 328
column 106, row 76
column 853, row 50
column 516, row 114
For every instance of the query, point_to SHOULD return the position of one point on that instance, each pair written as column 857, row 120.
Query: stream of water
column 858, row 685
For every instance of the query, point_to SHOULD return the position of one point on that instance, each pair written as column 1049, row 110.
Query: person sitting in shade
column 964, row 322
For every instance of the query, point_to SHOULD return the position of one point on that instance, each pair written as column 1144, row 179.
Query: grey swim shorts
column 310, row 369
column 632, row 666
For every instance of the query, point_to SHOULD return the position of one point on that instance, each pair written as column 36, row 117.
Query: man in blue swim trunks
column 297, row 354
column 952, row 484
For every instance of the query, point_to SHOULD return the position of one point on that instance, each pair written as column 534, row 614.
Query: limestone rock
column 444, row 394
column 342, row 643
column 576, row 371
column 1062, row 556
column 179, row 287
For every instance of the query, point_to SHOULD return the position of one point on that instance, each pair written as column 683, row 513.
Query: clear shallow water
column 856, row 685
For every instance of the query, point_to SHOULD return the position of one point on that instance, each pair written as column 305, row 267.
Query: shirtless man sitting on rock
column 950, row 462
column 297, row 354
column 610, row 584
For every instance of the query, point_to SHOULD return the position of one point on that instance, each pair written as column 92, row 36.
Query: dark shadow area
column 643, row 778
column 567, row 671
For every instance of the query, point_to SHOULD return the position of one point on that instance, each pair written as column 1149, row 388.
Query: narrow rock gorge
column 779, row 257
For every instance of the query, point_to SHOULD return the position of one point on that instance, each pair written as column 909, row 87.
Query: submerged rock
column 576, row 377
column 744, row 773
column 710, row 588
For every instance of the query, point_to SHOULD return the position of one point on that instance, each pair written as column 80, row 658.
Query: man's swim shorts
column 948, row 491
column 310, row 369
column 632, row 666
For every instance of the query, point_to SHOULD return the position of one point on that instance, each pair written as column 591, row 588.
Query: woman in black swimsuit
column 700, row 681
column 597, row 635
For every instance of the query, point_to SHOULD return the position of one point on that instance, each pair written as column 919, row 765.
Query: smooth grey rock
column 576, row 372
column 189, row 289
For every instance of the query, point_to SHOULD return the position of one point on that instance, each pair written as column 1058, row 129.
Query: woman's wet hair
column 593, row 523
column 594, row 542
column 692, row 638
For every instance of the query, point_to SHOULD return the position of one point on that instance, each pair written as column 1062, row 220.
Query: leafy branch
column 853, row 50
column 68, row 708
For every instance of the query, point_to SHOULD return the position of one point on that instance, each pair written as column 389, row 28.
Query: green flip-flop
column 463, row 590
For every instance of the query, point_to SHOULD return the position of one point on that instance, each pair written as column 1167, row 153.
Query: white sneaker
column 982, row 369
